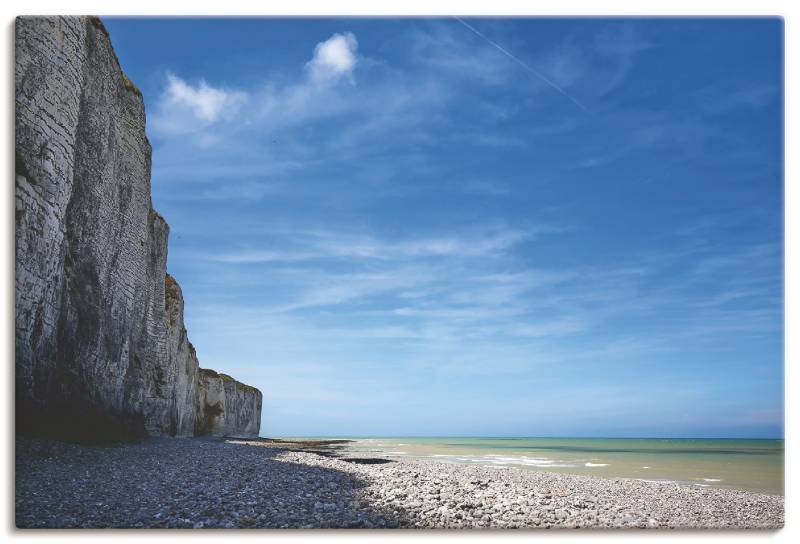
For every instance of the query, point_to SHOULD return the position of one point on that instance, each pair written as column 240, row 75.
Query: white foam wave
column 595, row 464
column 518, row 459
column 497, row 460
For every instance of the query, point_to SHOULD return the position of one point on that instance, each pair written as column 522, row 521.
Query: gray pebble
column 203, row 483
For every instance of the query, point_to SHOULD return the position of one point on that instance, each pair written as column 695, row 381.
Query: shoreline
column 740, row 464
column 271, row 483
column 347, row 447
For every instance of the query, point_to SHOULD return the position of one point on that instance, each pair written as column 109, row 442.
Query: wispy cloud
column 523, row 64
column 441, row 47
column 616, row 49
column 653, row 131
column 321, row 244
column 271, row 122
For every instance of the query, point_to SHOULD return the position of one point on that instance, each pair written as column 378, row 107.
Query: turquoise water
column 754, row 465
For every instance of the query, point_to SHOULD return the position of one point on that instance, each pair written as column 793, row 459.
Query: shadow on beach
column 192, row 482
column 246, row 483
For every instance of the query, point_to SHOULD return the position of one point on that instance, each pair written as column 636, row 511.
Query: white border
column 787, row 9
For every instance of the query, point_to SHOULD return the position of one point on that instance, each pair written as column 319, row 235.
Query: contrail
column 523, row 64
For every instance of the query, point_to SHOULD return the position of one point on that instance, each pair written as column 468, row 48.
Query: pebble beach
column 215, row 483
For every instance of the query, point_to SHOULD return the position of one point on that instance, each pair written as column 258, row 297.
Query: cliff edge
column 101, row 348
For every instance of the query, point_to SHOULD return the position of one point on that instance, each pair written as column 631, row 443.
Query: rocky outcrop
column 100, row 343
column 225, row 406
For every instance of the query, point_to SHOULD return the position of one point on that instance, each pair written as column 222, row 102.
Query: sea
column 747, row 464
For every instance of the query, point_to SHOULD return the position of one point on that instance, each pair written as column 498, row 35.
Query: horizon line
column 509, row 437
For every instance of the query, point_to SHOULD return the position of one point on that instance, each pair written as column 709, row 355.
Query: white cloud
column 310, row 245
column 206, row 103
column 334, row 58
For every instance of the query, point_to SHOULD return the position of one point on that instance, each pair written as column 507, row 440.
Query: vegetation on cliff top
column 130, row 86
column 169, row 281
column 208, row 373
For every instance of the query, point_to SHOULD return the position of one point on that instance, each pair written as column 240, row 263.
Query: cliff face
column 100, row 341
column 183, row 359
column 225, row 406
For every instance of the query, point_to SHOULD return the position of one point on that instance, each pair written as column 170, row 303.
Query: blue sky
column 533, row 227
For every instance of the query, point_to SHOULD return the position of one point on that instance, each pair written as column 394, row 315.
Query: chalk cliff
column 225, row 406
column 101, row 347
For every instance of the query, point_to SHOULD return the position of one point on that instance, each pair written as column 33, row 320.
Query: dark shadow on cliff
column 80, row 424
column 163, row 483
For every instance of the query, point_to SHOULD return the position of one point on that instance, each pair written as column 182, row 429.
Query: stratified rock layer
column 100, row 343
column 226, row 407
column 183, row 358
